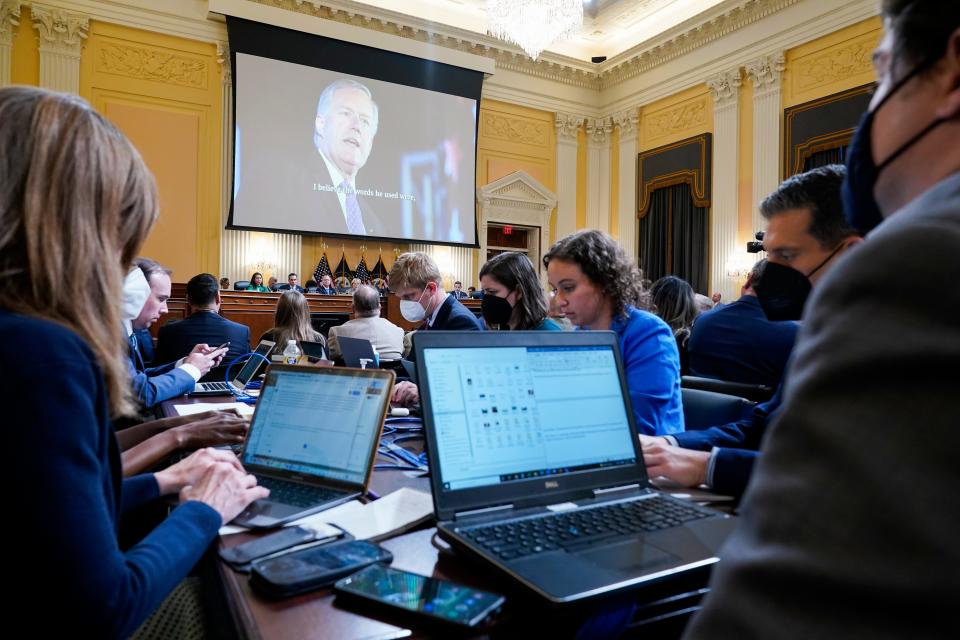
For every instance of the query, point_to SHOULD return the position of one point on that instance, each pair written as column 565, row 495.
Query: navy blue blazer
column 75, row 497
column 736, row 342
column 453, row 316
column 738, row 446
column 177, row 339
column 153, row 385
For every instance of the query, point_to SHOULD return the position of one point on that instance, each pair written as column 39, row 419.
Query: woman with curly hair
column 598, row 287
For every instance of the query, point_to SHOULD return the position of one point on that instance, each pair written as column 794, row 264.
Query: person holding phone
column 78, row 197
column 204, row 326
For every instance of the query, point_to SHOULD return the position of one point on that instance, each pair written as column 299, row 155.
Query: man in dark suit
column 736, row 342
column 849, row 527
column 153, row 385
column 807, row 231
column 458, row 291
column 292, row 284
column 326, row 286
column 346, row 123
column 204, row 325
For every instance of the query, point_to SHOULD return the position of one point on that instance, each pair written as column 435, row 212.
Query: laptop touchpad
column 629, row 556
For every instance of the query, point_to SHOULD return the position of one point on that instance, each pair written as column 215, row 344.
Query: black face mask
column 496, row 311
column 861, row 208
column 783, row 291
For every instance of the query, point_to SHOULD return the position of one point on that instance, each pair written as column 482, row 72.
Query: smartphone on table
column 431, row 599
column 315, row 567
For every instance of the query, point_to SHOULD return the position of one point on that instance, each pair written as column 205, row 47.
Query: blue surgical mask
column 861, row 208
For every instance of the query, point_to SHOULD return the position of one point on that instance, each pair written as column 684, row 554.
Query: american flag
column 361, row 271
column 323, row 268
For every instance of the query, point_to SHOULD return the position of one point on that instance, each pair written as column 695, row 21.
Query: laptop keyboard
column 582, row 528
column 215, row 386
column 295, row 493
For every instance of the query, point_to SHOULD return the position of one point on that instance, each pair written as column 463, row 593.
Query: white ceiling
column 609, row 27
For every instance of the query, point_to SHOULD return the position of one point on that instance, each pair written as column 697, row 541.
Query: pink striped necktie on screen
column 354, row 219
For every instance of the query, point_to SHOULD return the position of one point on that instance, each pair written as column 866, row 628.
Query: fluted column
column 61, row 37
column 598, row 173
column 568, row 126
column 725, row 88
column 626, row 122
column 9, row 21
column 765, row 75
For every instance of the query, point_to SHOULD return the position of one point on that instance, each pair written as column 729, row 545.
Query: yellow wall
column 313, row 248
column 164, row 93
column 671, row 119
column 24, row 54
column 836, row 62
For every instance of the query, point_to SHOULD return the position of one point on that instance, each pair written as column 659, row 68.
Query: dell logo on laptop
column 551, row 484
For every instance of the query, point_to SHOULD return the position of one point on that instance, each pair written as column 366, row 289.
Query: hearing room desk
column 662, row 613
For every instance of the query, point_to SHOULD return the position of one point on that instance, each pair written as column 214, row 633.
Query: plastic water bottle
column 376, row 357
column 291, row 355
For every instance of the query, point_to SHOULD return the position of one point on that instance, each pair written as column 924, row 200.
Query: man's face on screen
column 346, row 131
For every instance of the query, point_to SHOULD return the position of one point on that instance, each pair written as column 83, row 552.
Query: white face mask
column 136, row 290
column 412, row 310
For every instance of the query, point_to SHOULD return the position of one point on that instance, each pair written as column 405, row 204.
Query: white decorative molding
column 725, row 87
column 724, row 216
column 9, row 21
column 518, row 199
column 567, row 126
column 598, row 173
column 568, row 129
column 628, row 123
column 61, row 37
column 766, row 75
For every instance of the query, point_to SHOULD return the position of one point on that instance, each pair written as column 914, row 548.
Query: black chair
column 241, row 285
column 705, row 409
column 755, row 392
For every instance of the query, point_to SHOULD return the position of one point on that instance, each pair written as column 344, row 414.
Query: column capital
column 626, row 122
column 60, row 31
column 766, row 72
column 725, row 87
column 598, row 129
column 568, row 126
column 9, row 20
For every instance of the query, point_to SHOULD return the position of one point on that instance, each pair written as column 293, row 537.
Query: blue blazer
column 453, row 316
column 74, row 496
column 736, row 342
column 154, row 385
column 177, row 339
column 738, row 446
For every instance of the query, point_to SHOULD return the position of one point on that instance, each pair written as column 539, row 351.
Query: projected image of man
column 346, row 123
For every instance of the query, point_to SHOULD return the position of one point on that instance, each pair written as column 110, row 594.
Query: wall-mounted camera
column 757, row 245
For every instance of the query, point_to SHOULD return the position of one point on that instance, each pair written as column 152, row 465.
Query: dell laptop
column 244, row 375
column 536, row 467
column 313, row 439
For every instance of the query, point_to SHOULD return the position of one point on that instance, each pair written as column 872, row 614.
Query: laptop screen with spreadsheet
column 509, row 414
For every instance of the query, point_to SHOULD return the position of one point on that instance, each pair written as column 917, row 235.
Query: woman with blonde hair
column 77, row 201
column 292, row 322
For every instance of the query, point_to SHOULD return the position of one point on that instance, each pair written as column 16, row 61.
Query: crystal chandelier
column 534, row 24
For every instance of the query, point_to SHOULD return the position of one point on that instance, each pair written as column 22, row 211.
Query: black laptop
column 536, row 467
column 313, row 439
column 355, row 351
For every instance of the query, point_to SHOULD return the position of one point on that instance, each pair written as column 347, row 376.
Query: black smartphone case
column 314, row 568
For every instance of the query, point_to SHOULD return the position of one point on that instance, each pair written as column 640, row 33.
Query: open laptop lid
column 253, row 364
column 318, row 423
column 353, row 349
column 524, row 417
